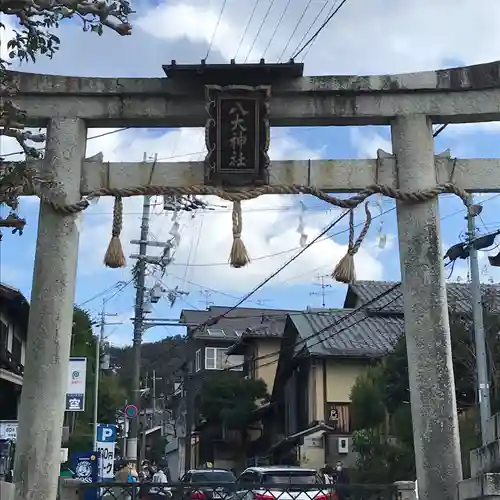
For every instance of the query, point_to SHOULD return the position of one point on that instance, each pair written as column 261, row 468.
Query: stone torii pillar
column 41, row 413
column 427, row 329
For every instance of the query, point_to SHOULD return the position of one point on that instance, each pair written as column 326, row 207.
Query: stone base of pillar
column 7, row 491
column 406, row 490
column 482, row 487
column 68, row 489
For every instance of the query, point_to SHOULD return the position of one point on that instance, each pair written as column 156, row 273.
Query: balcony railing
column 8, row 362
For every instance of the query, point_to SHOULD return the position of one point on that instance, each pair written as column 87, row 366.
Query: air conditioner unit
column 343, row 445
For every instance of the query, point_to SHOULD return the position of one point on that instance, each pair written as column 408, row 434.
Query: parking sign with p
column 106, row 433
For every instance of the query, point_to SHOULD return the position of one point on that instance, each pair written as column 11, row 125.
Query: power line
column 282, row 252
column 286, row 264
column 439, row 130
column 216, row 28
column 331, row 325
column 121, row 285
column 266, row 15
column 295, row 29
column 343, row 318
column 320, row 29
column 245, row 31
column 276, row 28
column 216, row 319
column 104, row 134
column 350, row 314
column 312, row 25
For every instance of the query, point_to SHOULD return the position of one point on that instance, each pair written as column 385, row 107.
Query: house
column 14, row 312
column 210, row 358
column 322, row 355
column 260, row 346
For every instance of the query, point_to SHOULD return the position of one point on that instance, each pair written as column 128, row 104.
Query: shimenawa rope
column 343, row 272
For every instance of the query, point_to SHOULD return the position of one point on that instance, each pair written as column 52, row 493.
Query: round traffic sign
column 131, row 411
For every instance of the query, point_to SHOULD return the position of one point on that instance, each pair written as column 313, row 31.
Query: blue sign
column 86, row 470
column 106, row 433
column 75, row 402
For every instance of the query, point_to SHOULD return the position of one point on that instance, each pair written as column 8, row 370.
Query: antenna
column 323, row 287
column 262, row 302
column 207, row 294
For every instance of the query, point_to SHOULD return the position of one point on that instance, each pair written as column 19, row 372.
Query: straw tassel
column 239, row 255
column 114, row 257
column 345, row 271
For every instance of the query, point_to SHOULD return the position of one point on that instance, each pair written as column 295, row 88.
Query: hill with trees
column 165, row 357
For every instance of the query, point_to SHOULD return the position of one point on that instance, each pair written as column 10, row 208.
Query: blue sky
column 367, row 36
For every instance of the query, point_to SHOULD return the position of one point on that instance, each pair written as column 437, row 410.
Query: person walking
column 126, row 474
column 156, row 491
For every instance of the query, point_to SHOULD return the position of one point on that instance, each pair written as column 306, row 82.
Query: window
column 216, row 332
column 291, row 477
column 234, row 362
column 217, row 359
column 4, row 336
column 213, row 477
column 337, row 416
column 17, row 347
column 198, row 360
column 213, row 360
column 248, row 478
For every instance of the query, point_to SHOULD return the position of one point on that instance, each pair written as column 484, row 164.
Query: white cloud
column 367, row 143
column 269, row 222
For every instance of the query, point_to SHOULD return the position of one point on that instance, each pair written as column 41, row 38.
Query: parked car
column 271, row 483
column 208, row 484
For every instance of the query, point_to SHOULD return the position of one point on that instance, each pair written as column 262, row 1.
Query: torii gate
column 409, row 103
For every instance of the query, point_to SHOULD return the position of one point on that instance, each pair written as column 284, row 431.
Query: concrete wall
column 173, row 465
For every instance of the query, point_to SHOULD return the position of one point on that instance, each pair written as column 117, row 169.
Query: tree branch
column 36, row 19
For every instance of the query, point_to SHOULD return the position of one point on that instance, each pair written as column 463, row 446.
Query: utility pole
column 483, row 389
column 99, row 341
column 323, row 287
column 188, row 391
column 132, row 450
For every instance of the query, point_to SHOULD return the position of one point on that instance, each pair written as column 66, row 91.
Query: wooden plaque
column 237, row 136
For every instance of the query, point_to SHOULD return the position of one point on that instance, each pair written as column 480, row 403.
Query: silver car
column 270, row 483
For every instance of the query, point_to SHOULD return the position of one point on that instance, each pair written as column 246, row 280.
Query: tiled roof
column 357, row 335
column 459, row 296
column 262, row 322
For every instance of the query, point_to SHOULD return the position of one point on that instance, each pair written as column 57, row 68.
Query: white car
column 269, row 483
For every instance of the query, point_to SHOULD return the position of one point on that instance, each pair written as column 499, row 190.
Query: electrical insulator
column 156, row 293
column 105, row 361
